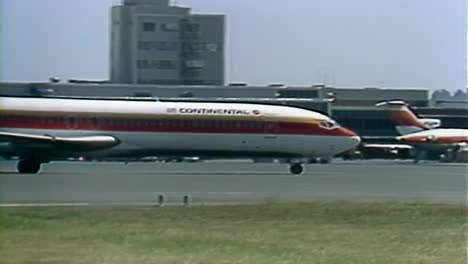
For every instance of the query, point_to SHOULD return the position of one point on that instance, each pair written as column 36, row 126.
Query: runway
column 89, row 183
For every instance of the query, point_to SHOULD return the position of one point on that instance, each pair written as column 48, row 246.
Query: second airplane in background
column 423, row 133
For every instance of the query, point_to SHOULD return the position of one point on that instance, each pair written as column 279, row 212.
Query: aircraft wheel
column 28, row 166
column 296, row 168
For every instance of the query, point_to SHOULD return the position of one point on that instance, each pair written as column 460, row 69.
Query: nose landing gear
column 296, row 168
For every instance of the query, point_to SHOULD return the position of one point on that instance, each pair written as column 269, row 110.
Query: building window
column 193, row 28
column 191, row 73
column 156, row 64
column 213, row 47
column 170, row 27
column 143, row 64
column 194, row 63
column 144, row 45
column 149, row 26
column 188, row 47
column 158, row 45
column 158, row 81
column 166, row 65
column 167, row 46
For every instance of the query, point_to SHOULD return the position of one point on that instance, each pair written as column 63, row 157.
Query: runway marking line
column 12, row 205
column 42, row 204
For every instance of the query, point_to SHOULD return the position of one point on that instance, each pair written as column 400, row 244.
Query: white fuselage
column 437, row 139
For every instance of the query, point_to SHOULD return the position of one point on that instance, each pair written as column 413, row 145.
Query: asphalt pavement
column 230, row 182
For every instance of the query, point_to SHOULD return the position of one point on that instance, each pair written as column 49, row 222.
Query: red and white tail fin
column 405, row 120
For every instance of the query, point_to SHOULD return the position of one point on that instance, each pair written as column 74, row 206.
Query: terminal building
column 153, row 42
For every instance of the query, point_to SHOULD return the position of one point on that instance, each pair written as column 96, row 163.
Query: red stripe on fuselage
column 435, row 140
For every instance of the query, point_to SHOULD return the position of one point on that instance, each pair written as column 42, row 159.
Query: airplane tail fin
column 405, row 119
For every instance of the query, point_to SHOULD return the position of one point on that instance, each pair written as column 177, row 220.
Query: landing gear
column 419, row 155
column 28, row 166
column 296, row 168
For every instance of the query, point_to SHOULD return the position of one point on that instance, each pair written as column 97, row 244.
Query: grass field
column 270, row 233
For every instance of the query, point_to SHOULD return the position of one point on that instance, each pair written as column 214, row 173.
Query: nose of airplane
column 355, row 141
column 344, row 144
column 350, row 138
column 346, row 132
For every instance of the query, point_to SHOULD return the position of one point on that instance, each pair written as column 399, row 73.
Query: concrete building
column 153, row 42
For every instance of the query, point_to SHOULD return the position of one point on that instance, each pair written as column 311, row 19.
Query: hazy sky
column 386, row 43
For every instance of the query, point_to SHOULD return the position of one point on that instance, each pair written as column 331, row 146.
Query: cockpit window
column 329, row 124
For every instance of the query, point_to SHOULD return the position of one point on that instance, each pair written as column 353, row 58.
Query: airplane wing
column 80, row 143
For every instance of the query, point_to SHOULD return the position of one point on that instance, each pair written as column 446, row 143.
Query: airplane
column 423, row 133
column 39, row 130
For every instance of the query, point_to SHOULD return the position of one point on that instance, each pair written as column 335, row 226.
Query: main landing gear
column 28, row 165
column 296, row 168
column 419, row 155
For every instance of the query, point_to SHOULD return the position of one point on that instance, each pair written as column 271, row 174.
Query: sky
column 343, row 43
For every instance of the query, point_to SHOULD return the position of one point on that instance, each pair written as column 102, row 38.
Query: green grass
column 271, row 233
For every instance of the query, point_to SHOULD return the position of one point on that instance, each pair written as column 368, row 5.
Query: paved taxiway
column 233, row 182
